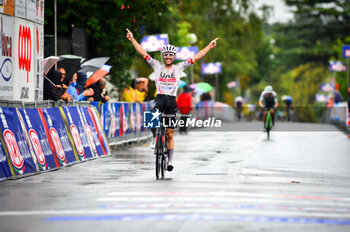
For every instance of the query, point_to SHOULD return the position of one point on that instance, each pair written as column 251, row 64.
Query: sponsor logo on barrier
column 90, row 137
column 34, row 138
column 77, row 141
column 58, row 146
column 25, row 49
column 14, row 152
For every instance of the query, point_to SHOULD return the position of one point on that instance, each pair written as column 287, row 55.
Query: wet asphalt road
column 222, row 181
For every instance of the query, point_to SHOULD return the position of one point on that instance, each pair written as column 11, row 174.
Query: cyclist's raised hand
column 212, row 44
column 129, row 34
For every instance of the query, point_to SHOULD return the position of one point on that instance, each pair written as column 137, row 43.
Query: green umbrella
column 205, row 87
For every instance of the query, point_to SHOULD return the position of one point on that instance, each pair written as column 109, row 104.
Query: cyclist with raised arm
column 167, row 78
column 268, row 100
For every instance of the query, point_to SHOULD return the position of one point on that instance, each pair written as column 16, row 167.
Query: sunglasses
column 168, row 55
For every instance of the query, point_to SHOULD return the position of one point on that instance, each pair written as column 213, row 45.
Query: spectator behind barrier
column 64, row 78
column 99, row 89
column 184, row 104
column 74, row 93
column 137, row 92
column 81, row 81
column 52, row 87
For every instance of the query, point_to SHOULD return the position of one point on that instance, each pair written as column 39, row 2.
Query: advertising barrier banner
column 59, row 136
column 106, row 118
column 5, row 171
column 92, row 132
column 15, row 143
column 79, row 135
column 6, row 57
column 125, row 118
column 98, row 127
column 132, row 117
column 38, row 138
column 116, row 119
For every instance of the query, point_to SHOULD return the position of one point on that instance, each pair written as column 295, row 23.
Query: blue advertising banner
column 15, row 143
column 125, row 118
column 91, row 132
column 38, row 138
column 112, row 124
column 138, row 117
column 132, row 117
column 101, row 136
column 106, row 118
column 117, row 108
column 185, row 53
column 346, row 51
column 59, row 136
column 5, row 171
column 211, row 68
column 98, row 106
column 153, row 43
column 76, row 127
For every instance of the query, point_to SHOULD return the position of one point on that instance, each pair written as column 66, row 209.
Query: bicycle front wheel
column 158, row 157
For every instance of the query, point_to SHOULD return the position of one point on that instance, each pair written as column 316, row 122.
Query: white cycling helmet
column 285, row 98
column 169, row 48
column 268, row 89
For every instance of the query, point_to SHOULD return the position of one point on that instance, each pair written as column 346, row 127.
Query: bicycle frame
column 160, row 151
column 268, row 123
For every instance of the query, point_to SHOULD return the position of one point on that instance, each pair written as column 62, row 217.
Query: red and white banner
column 6, row 56
column 23, row 62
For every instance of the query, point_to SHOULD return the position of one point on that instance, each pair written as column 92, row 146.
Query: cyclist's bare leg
column 170, row 141
column 264, row 118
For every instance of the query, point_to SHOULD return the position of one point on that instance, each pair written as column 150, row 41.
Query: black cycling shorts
column 167, row 104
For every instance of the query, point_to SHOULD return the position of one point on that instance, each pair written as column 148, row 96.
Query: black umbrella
column 91, row 66
column 70, row 63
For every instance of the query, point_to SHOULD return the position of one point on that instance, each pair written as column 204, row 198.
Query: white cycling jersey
column 262, row 95
column 167, row 80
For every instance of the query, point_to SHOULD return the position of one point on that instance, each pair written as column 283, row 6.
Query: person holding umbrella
column 167, row 77
column 72, row 90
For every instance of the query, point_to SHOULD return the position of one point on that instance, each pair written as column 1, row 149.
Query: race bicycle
column 268, row 123
column 160, row 150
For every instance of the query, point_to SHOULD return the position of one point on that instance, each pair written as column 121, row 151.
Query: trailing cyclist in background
column 268, row 100
column 288, row 102
column 167, row 79
column 239, row 107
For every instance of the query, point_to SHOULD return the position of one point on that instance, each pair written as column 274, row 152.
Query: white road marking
column 176, row 211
